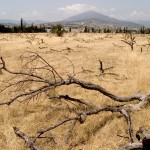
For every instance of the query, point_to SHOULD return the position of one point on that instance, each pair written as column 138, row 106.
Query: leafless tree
column 129, row 38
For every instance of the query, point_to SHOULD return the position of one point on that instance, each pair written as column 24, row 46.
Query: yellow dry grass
column 99, row 132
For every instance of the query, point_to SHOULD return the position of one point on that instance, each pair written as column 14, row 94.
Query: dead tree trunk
column 33, row 73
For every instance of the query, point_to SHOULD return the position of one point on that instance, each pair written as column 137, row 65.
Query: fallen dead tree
column 143, row 137
column 37, row 70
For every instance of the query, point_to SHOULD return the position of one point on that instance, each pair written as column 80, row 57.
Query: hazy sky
column 56, row 10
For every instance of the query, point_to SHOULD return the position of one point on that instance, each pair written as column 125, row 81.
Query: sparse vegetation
column 58, row 30
column 107, row 30
column 86, row 29
column 57, row 99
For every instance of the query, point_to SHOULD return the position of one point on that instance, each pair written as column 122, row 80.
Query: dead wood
column 70, row 131
column 26, row 138
column 32, row 72
column 143, row 137
column 132, row 146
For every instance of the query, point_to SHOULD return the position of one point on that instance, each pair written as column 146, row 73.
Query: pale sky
column 57, row 10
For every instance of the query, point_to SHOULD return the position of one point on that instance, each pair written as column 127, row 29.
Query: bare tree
column 129, row 39
column 37, row 70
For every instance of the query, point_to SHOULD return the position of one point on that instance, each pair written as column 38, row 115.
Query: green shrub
column 58, row 30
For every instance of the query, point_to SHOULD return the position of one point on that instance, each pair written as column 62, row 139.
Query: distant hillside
column 97, row 19
column 9, row 21
column 146, row 23
column 89, row 18
column 89, row 15
column 17, row 22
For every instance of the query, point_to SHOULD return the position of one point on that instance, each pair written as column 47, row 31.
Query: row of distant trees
column 59, row 30
column 17, row 29
column 22, row 28
column 93, row 30
column 142, row 30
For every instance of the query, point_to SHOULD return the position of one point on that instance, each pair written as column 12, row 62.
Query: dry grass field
column 130, row 73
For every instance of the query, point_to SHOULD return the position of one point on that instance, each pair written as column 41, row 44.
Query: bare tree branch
column 70, row 131
column 42, row 131
column 129, row 129
column 37, row 70
column 26, row 138
column 67, row 97
column 131, row 146
column 91, row 86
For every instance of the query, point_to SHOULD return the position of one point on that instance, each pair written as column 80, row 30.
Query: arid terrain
column 127, row 72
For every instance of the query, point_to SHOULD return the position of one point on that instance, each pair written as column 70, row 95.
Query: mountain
column 145, row 23
column 89, row 18
column 88, row 15
column 36, row 22
column 93, row 18
column 17, row 22
column 9, row 22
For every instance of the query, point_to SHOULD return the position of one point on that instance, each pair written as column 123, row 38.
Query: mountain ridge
column 89, row 18
column 16, row 22
column 97, row 19
column 88, row 15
